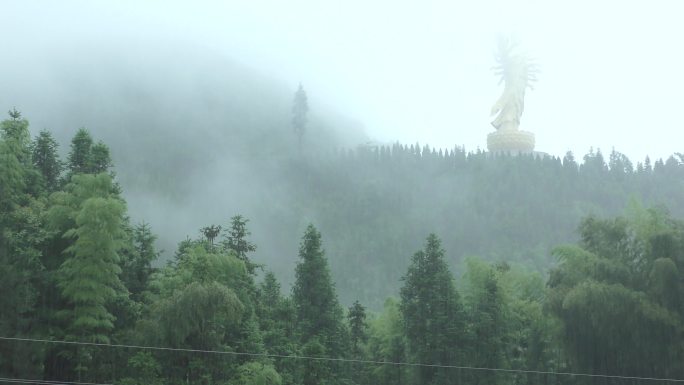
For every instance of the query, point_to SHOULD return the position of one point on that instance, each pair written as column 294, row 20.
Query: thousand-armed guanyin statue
column 517, row 72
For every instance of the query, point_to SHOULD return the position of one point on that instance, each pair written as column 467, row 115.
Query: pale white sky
column 612, row 72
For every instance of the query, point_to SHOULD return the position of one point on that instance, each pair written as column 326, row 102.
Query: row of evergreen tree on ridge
column 617, row 162
column 498, row 207
column 79, row 271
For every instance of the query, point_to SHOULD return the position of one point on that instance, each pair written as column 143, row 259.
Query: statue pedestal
column 508, row 140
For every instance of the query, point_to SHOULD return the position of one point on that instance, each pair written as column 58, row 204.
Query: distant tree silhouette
column 300, row 108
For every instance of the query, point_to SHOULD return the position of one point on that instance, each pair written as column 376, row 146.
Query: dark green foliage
column 137, row 267
column 276, row 315
column 46, row 160
column 199, row 302
column 12, row 181
column 86, row 157
column 357, row 327
column 256, row 373
column 143, row 370
column 21, row 273
column 433, row 317
column 210, row 233
column 488, row 324
column 318, row 314
column 89, row 277
column 75, row 269
column 277, row 323
column 237, row 241
column 23, row 237
column 15, row 133
column 358, row 336
column 317, row 309
column 313, row 371
column 100, row 159
column 621, row 289
column 387, row 342
column 90, row 218
column 198, row 315
column 16, row 143
column 270, row 292
column 513, row 208
column 79, row 161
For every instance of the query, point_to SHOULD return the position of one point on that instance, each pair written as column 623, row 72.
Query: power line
column 43, row 382
column 334, row 359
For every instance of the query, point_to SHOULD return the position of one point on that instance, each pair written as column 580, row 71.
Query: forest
column 414, row 266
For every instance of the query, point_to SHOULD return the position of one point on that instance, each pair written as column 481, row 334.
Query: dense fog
column 308, row 193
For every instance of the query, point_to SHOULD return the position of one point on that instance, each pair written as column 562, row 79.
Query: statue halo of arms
column 518, row 72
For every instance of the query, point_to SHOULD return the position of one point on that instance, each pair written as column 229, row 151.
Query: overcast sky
column 612, row 72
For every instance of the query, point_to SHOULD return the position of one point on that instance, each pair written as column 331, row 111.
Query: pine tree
column 277, row 322
column 318, row 311
column 486, row 313
column 22, row 237
column 315, row 372
column 647, row 165
column 100, row 159
column 358, row 335
column 20, row 229
column 238, row 243
column 318, row 314
column 357, row 327
column 569, row 162
column 137, row 269
column 46, row 159
column 80, row 155
column 300, row 108
column 16, row 134
column 269, row 299
column 432, row 312
column 12, row 183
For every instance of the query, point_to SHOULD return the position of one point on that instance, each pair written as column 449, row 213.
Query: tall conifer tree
column 318, row 313
column 46, row 159
column 237, row 241
column 432, row 312
column 80, row 153
column 300, row 109
column 100, row 159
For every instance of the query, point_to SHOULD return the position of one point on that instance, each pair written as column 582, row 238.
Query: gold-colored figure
column 517, row 72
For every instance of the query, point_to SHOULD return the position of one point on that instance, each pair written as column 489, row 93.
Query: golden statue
column 517, row 72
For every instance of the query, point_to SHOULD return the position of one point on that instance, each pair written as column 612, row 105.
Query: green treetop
column 79, row 156
column 46, row 159
column 237, row 241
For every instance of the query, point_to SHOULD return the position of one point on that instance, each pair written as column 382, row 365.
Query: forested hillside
column 376, row 203
column 194, row 137
column 86, row 300
column 198, row 140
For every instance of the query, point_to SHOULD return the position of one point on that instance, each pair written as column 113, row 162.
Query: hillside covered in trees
column 375, row 203
column 413, row 266
column 196, row 141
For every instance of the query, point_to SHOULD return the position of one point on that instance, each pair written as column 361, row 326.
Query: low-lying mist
column 195, row 136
